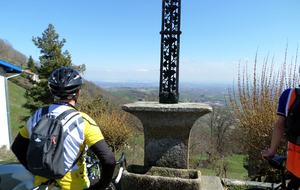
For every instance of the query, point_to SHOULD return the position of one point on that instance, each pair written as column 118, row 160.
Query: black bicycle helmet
column 65, row 83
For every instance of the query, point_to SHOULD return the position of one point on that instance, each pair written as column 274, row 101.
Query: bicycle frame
column 277, row 163
column 120, row 162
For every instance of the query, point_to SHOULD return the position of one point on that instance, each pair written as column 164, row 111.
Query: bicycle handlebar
column 276, row 161
column 120, row 161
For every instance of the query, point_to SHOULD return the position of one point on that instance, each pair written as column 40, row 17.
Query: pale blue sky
column 119, row 40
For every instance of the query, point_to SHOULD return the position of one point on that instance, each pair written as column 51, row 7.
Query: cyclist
column 65, row 85
column 293, row 157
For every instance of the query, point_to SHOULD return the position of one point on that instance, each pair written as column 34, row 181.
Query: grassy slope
column 235, row 168
column 16, row 100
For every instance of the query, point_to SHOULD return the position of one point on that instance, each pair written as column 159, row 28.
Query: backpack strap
column 297, row 91
column 60, row 117
column 45, row 111
column 291, row 119
column 65, row 113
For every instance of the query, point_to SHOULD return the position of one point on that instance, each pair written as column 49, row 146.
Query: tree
column 199, row 142
column 51, row 50
column 52, row 58
column 253, row 108
column 211, row 135
column 219, row 122
column 31, row 65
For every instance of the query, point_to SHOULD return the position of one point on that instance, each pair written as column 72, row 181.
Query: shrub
column 115, row 124
column 253, row 107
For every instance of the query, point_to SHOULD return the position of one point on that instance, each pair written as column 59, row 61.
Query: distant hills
column 105, row 84
column 212, row 94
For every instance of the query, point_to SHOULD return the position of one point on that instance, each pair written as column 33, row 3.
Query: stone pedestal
column 167, row 130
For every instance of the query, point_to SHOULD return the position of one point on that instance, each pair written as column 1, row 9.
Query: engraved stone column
column 167, row 130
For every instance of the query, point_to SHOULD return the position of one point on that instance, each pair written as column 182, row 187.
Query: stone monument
column 167, row 123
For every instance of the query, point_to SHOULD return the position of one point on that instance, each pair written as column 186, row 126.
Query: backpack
column 45, row 155
column 292, row 121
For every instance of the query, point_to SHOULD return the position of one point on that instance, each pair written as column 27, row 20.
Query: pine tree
column 51, row 50
column 31, row 65
column 52, row 58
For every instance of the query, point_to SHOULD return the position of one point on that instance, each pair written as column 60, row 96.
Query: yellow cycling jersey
column 81, row 131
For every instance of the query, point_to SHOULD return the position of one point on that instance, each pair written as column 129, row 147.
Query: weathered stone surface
column 235, row 182
column 160, row 178
column 167, row 130
column 155, row 106
column 167, row 148
column 211, row 183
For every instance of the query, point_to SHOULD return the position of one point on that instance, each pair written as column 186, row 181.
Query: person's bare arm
column 277, row 135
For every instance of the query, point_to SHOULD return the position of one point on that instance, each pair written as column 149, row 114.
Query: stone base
column 156, row 178
column 167, row 130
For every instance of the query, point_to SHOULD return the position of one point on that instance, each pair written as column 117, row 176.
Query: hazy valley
column 212, row 94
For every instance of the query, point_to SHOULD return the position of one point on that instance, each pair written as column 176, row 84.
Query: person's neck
column 71, row 102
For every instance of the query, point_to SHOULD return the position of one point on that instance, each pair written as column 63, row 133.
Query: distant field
column 132, row 94
column 211, row 95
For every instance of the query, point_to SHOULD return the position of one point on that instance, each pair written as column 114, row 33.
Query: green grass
column 236, row 169
column 134, row 149
column 136, row 139
column 16, row 100
column 235, row 166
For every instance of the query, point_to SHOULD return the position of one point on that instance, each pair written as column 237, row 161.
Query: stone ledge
column 159, row 107
column 235, row 182
column 211, row 183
